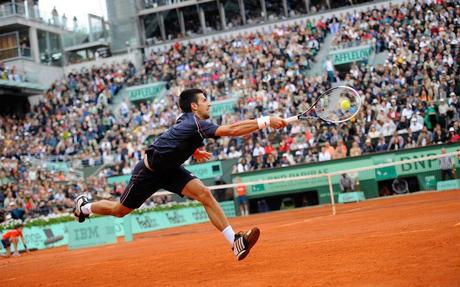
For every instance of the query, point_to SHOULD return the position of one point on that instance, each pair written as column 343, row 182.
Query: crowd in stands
column 71, row 121
column 11, row 74
column 410, row 101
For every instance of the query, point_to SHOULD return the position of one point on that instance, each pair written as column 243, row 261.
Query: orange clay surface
column 411, row 240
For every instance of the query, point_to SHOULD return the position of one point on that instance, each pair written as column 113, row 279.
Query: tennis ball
column 345, row 105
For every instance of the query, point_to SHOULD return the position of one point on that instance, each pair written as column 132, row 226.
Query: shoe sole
column 252, row 240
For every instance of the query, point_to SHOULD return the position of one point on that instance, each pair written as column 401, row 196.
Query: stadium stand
column 410, row 101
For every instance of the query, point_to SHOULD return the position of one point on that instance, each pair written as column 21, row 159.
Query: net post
column 331, row 192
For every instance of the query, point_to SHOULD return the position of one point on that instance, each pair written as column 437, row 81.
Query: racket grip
column 292, row 119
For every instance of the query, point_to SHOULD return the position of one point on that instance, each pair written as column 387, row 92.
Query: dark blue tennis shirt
column 179, row 142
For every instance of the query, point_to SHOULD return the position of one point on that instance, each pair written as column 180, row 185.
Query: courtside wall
column 368, row 180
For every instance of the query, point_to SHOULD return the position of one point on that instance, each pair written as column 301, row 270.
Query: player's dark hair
column 19, row 225
column 187, row 97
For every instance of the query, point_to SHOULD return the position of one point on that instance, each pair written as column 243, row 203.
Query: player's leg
column 107, row 207
column 195, row 189
column 140, row 187
column 83, row 208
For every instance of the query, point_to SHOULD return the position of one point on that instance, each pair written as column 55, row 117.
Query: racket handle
column 292, row 119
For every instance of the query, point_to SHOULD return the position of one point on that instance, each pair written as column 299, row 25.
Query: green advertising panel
column 219, row 108
column 159, row 220
column 144, row 92
column 417, row 168
column 420, row 166
column 104, row 230
column 206, row 170
column 385, row 172
column 430, row 182
column 118, row 179
column 350, row 55
column 448, row 185
column 351, row 197
column 94, row 231
column 229, row 208
column 46, row 236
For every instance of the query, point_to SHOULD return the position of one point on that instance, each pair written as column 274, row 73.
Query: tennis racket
column 335, row 105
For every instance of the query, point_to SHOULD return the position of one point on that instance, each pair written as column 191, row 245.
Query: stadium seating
column 410, row 101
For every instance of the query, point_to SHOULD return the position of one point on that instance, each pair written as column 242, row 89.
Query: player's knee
column 120, row 212
column 205, row 195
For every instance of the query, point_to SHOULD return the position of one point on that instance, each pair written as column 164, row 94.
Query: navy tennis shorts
column 144, row 183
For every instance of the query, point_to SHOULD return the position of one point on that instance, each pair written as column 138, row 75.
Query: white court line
column 458, row 224
column 302, row 221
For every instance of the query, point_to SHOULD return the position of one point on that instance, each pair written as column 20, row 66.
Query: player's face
column 203, row 107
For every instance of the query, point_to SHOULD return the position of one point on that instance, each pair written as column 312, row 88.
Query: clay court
column 409, row 240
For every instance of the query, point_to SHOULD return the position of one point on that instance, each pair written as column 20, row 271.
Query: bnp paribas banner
column 301, row 170
column 344, row 56
column 345, row 165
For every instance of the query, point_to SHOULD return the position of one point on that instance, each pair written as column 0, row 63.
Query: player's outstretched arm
column 248, row 126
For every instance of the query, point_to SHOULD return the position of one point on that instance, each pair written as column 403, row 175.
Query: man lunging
column 162, row 168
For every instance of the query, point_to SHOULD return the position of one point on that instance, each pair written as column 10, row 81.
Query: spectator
column 356, row 150
column 346, row 183
column 368, row 147
column 241, row 193
column 453, row 135
column 55, row 15
column 77, row 121
column 381, row 144
column 324, row 155
column 75, row 24
column 17, row 210
column 396, row 142
column 446, row 164
column 64, row 21
column 424, row 138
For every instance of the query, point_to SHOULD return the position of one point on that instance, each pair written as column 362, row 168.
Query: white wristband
column 263, row 122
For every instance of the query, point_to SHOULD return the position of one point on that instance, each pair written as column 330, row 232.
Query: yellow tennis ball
column 345, row 105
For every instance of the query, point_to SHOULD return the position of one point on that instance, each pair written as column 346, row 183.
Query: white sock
column 86, row 209
column 229, row 234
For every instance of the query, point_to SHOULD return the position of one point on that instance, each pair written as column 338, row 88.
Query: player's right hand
column 277, row 122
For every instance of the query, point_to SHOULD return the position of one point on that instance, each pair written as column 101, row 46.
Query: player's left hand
column 202, row 155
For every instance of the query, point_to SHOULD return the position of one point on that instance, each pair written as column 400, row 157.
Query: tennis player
column 162, row 168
